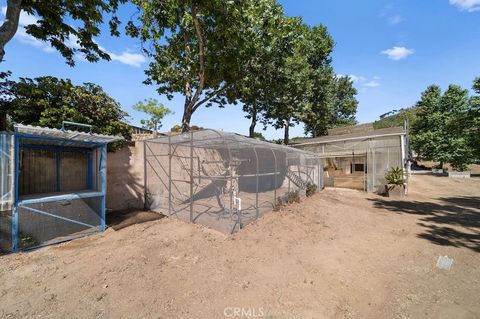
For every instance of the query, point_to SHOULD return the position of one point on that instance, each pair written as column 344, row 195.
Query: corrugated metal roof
column 390, row 131
column 74, row 136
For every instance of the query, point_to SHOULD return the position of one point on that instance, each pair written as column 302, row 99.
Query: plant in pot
column 395, row 182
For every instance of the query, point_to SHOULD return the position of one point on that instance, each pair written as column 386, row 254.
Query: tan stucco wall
column 125, row 178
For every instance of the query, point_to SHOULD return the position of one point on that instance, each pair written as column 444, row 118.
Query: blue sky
column 392, row 50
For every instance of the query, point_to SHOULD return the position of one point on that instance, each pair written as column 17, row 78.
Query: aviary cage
column 53, row 185
column 224, row 180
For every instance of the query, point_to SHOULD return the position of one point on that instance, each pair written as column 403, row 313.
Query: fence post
column 191, row 177
column 15, row 194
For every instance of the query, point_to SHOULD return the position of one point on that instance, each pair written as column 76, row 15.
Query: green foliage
column 27, row 240
column 311, row 189
column 176, row 129
column 198, row 48
column 259, row 136
column 396, row 118
column 69, row 26
column 156, row 110
column 332, row 104
column 395, row 176
column 47, row 101
column 443, row 130
column 293, row 197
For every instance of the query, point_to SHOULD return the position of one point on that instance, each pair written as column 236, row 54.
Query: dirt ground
column 338, row 254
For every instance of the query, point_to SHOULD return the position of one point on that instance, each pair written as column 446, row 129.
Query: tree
column 332, row 100
column 197, row 48
column 157, row 112
column 47, row 101
column 253, row 90
column 289, row 96
column 473, row 120
column 440, row 132
column 68, row 26
column 332, row 104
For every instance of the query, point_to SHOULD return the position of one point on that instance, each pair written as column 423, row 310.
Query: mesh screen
column 46, row 223
column 223, row 180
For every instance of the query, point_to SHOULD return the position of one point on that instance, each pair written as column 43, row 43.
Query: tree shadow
column 122, row 219
column 453, row 222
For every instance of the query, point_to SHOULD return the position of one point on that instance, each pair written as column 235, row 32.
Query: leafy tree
column 47, row 101
column 473, row 120
column 157, row 112
column 197, row 48
column 332, row 104
column 68, row 26
column 439, row 133
column 332, row 100
column 254, row 89
column 289, row 95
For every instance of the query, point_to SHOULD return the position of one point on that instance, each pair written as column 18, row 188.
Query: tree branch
column 201, row 56
column 209, row 96
column 10, row 25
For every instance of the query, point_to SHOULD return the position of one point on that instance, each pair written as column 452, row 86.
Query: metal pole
column 145, row 197
column 103, row 172
column 257, row 172
column 191, row 177
column 15, row 194
column 275, row 186
column 169, row 175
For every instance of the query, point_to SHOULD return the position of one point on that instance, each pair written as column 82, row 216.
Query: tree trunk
column 253, row 124
column 286, row 137
column 187, row 116
column 10, row 25
column 3, row 120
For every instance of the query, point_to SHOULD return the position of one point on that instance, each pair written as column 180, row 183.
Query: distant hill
column 396, row 118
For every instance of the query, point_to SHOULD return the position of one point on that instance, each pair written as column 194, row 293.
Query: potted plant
column 395, row 182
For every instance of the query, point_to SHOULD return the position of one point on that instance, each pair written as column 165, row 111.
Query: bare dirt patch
column 338, row 254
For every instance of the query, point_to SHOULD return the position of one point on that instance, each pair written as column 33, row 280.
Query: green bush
column 311, row 189
column 394, row 176
column 293, row 197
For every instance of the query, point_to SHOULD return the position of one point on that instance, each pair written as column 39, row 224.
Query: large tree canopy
column 198, row 47
column 442, row 131
column 67, row 25
column 47, row 101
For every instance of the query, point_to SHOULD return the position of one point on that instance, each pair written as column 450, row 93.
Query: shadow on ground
column 123, row 219
column 453, row 221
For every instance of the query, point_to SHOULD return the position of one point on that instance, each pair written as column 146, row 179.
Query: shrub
column 278, row 205
column 394, row 176
column 293, row 197
column 311, row 189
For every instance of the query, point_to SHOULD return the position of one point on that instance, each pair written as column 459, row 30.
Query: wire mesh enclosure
column 224, row 180
column 53, row 186
column 360, row 163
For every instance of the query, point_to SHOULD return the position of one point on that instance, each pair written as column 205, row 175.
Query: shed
column 359, row 158
column 53, row 185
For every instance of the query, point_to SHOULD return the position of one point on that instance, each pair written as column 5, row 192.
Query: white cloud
column 372, row 84
column 466, row 5
column 398, row 53
column 363, row 81
column 133, row 59
column 394, row 20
